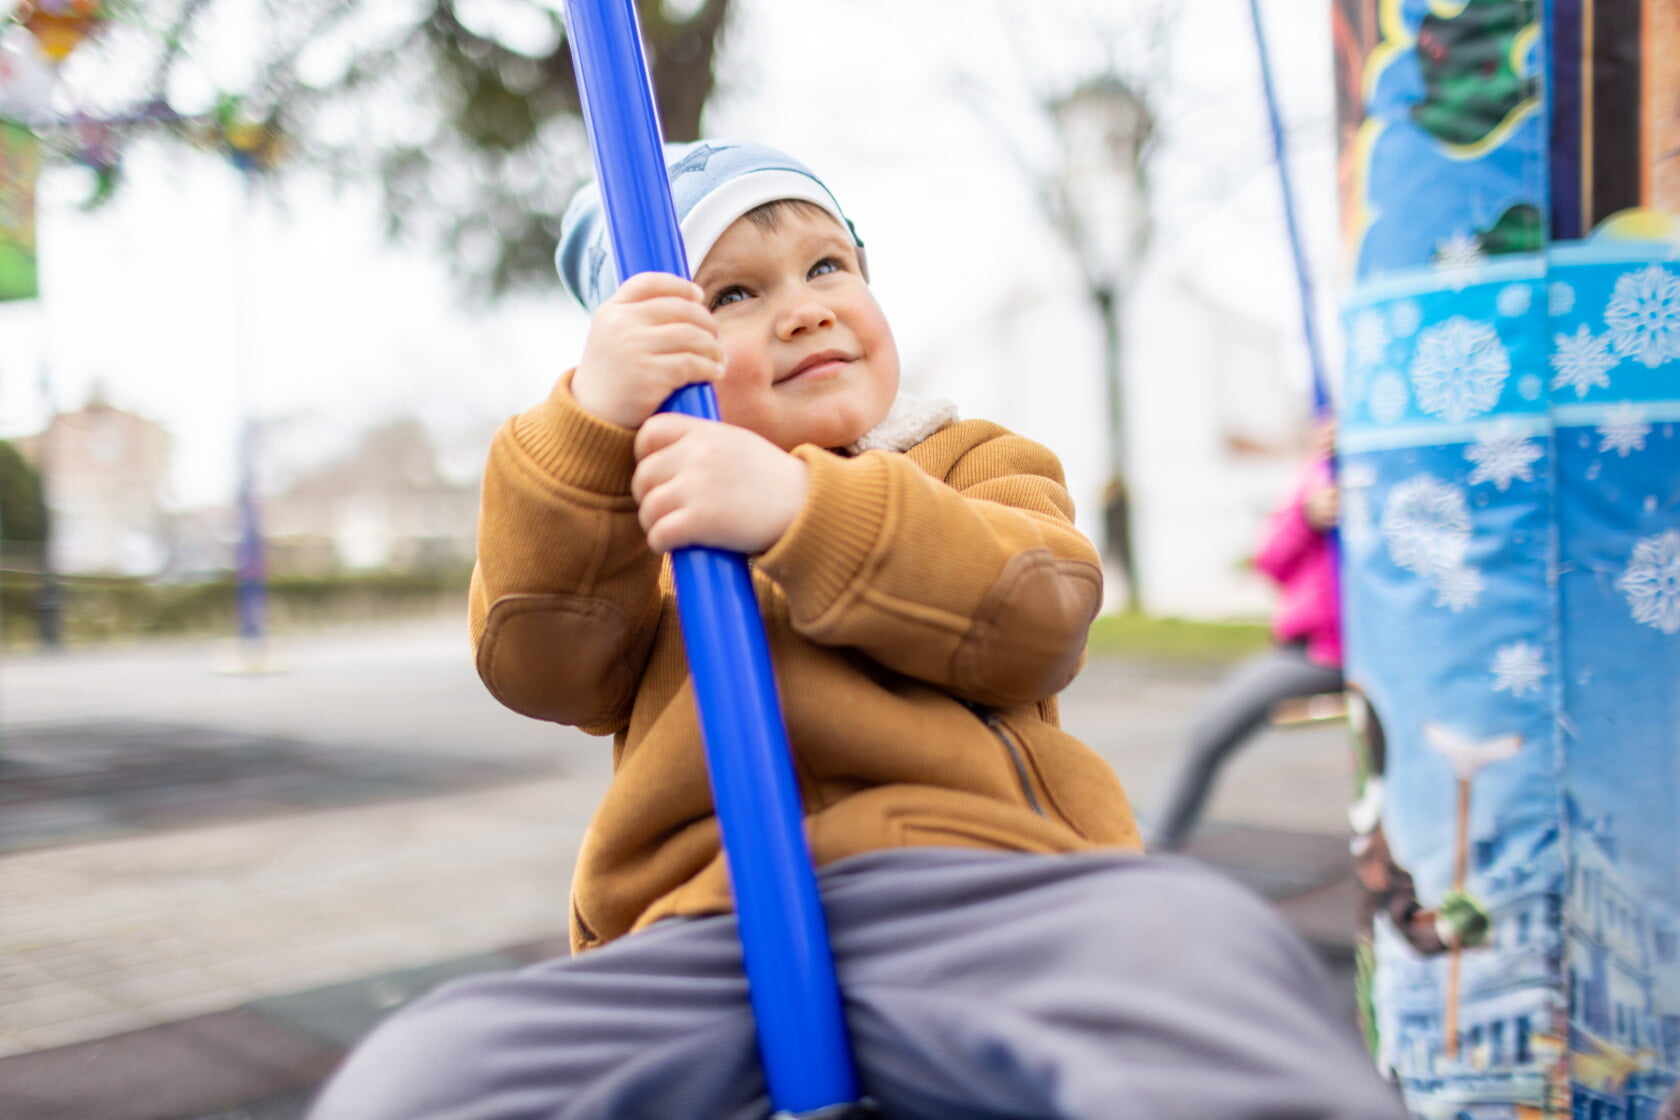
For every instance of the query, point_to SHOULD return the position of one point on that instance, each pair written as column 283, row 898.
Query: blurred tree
column 23, row 505
column 465, row 112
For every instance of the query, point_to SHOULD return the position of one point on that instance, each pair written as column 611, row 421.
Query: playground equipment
column 1511, row 537
column 784, row 942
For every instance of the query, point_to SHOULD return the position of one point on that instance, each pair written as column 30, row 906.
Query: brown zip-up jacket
column 923, row 611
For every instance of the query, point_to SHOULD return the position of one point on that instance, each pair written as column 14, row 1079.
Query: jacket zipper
column 991, row 720
column 590, row 937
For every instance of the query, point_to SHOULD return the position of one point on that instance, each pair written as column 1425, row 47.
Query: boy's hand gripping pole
column 784, row 941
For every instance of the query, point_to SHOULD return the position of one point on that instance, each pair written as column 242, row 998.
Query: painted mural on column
column 1510, row 463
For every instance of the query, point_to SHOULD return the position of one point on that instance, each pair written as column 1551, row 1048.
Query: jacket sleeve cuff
column 574, row 447
column 842, row 524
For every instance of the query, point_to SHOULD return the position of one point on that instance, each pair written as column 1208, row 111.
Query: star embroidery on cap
column 695, row 160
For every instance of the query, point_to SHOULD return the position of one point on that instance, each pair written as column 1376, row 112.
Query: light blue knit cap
column 712, row 184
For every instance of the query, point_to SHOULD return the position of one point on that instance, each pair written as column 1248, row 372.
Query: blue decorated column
column 1510, row 465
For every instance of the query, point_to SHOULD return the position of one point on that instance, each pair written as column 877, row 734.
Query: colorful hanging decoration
column 98, row 148
column 254, row 145
column 60, row 26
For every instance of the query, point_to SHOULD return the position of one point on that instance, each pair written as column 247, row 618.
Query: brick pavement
column 114, row 936
column 213, row 963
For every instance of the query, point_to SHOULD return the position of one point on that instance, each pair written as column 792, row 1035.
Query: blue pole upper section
column 1303, row 275
column 784, row 941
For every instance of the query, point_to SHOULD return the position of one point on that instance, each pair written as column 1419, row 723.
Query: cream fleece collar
column 908, row 422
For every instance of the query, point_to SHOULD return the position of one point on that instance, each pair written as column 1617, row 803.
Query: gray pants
column 1240, row 704
column 977, row 985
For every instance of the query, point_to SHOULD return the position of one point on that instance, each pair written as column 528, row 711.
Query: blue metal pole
column 1303, row 276
column 1323, row 406
column 784, row 941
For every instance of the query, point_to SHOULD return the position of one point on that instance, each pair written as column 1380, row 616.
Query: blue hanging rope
column 784, row 940
column 1303, row 276
column 1323, row 405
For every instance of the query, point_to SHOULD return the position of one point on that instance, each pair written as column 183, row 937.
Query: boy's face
column 808, row 356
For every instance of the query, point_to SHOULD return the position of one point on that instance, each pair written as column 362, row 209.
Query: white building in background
column 1220, row 420
column 386, row 504
column 1217, row 414
column 104, row 472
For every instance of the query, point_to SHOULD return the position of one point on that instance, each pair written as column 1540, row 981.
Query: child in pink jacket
column 1305, row 660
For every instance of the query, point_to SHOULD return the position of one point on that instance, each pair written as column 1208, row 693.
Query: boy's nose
column 803, row 316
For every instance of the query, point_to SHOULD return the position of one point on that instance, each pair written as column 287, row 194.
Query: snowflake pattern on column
column 1503, row 453
column 1652, row 582
column 1514, row 300
column 1427, row 525
column 1643, row 316
column 1459, row 369
column 1624, row 429
column 1368, row 337
column 1518, row 668
column 1582, row 361
column 1459, row 589
column 1459, row 259
column 1388, row 398
column 1560, row 298
column 1405, row 317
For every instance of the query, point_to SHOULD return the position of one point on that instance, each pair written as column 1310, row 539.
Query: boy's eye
column 825, row 266
column 732, row 294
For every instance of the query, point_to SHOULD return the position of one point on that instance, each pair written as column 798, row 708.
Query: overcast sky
column 901, row 104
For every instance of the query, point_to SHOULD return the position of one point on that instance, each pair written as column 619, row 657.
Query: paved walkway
column 215, row 881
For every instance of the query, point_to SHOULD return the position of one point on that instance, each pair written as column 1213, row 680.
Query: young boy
column 1003, row 948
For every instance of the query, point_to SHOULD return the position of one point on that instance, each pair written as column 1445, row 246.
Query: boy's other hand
column 701, row 482
column 649, row 339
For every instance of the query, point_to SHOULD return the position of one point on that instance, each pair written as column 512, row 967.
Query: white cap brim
column 719, row 210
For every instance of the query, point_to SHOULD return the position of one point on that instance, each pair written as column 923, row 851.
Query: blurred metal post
column 49, row 594
column 1297, row 249
column 1323, row 403
column 250, row 552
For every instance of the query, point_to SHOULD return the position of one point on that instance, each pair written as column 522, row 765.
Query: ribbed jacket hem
column 844, row 520
column 571, row 446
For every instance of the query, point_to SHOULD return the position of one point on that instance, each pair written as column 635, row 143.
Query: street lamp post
column 1101, row 210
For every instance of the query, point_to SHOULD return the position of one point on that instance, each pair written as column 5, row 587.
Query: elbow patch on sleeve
column 561, row 658
column 1028, row 638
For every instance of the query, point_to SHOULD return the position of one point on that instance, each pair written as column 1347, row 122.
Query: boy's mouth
column 818, row 365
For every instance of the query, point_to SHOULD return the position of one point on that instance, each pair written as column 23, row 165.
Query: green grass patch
column 1175, row 639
